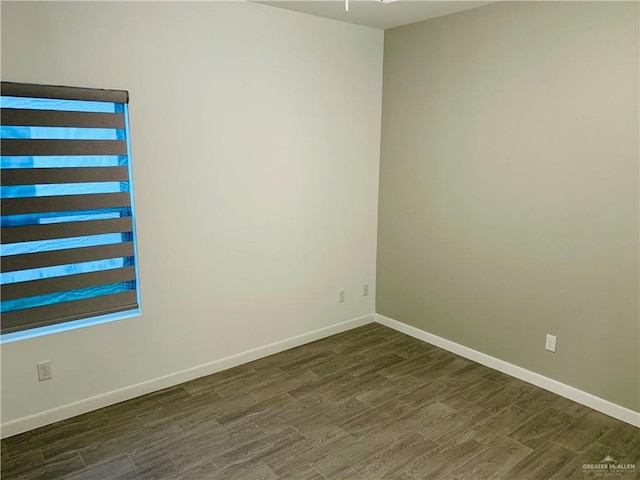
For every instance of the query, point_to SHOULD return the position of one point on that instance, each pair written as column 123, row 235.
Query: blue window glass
column 68, row 249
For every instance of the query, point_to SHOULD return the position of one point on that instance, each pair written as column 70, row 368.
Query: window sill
column 63, row 327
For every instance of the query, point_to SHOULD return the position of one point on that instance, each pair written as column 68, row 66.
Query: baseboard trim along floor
column 601, row 405
column 41, row 419
column 47, row 417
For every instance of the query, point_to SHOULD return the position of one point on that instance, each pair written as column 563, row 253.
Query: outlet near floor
column 44, row 370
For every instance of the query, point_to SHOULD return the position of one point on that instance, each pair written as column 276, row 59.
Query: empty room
column 320, row 240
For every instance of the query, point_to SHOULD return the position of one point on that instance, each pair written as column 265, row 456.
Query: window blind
column 67, row 217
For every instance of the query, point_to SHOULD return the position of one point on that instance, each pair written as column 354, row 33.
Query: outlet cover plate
column 44, row 370
column 550, row 343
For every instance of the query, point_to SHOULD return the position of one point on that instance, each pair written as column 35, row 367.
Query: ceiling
column 375, row 13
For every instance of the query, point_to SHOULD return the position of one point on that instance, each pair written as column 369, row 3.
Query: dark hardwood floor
column 370, row 403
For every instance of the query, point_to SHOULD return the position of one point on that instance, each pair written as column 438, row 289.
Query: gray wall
column 509, row 187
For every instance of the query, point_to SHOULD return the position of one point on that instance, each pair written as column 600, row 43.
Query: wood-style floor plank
column 493, row 462
column 370, row 403
column 112, row 468
column 495, row 428
column 443, row 460
column 542, row 464
column 341, row 460
column 541, row 429
column 450, row 426
column 392, row 460
column 586, row 430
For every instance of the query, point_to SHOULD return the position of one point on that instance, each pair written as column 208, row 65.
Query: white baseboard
column 616, row 411
column 41, row 419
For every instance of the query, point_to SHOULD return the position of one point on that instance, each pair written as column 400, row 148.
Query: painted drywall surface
column 255, row 146
column 509, row 187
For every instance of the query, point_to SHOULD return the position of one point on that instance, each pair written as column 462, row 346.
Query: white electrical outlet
column 341, row 295
column 550, row 343
column 44, row 370
column 365, row 289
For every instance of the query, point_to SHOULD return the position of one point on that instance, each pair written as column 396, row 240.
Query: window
column 68, row 229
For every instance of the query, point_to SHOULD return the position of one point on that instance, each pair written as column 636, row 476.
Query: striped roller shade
column 67, row 233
